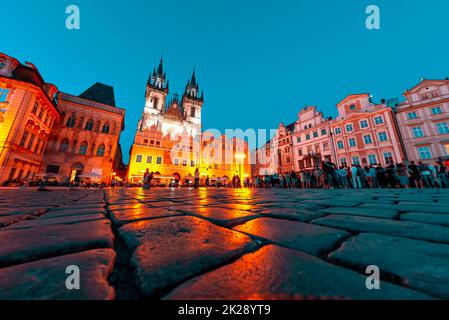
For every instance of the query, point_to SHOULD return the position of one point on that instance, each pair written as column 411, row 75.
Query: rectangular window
column 307, row 136
column 364, row 124
column 323, row 132
column 149, row 159
column 343, row 162
column 298, row 139
column 352, row 142
column 3, row 94
column 372, row 159
column 417, row 132
column 300, row 152
column 38, row 144
column 340, row 145
column 424, row 153
column 349, row 128
column 388, row 158
column 30, row 143
column 35, row 107
column 355, row 160
column 159, row 160
column 325, row 146
column 436, row 110
column 176, row 162
column 139, row 158
column 379, row 120
column 382, row 136
column 315, row 134
column 24, row 138
column 443, row 128
column 412, row 115
column 41, row 113
column 184, row 163
column 367, row 139
column 337, row 130
column 192, row 163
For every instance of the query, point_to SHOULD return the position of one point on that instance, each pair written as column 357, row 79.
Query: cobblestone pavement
column 224, row 244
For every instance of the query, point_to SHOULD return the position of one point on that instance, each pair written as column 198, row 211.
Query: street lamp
column 241, row 157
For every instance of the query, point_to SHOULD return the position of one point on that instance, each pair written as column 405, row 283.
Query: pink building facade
column 365, row 133
column 311, row 139
column 423, row 120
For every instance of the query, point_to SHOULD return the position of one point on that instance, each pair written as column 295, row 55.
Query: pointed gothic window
column 64, row 145
column 105, row 128
column 83, row 148
column 100, row 150
column 71, row 121
column 89, row 125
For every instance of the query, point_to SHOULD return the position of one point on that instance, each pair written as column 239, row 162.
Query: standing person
column 329, row 171
column 369, row 179
column 426, row 175
column 433, row 174
column 442, row 175
column 391, row 176
column 355, row 176
column 373, row 175
column 146, row 177
column 294, row 179
column 197, row 178
column 380, row 174
column 402, row 175
column 343, row 177
column 415, row 175
column 302, row 177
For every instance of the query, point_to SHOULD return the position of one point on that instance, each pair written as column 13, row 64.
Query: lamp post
column 240, row 157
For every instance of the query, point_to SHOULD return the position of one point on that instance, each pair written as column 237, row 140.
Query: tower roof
column 192, row 90
column 158, row 78
column 101, row 93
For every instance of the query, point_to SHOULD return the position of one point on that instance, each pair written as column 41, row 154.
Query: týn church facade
column 169, row 140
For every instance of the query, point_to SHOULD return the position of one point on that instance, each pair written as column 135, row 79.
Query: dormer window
column 352, row 107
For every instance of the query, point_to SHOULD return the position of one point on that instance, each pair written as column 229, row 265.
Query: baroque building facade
column 365, row 133
column 85, row 142
column 169, row 140
column 423, row 120
column 28, row 113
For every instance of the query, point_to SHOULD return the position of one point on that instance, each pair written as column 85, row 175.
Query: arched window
column 83, row 148
column 105, row 128
column 89, row 125
column 64, row 146
column 100, row 150
column 71, row 121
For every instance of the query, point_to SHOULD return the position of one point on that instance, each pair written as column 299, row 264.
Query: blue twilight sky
column 258, row 61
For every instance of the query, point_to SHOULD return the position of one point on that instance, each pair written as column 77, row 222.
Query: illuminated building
column 365, row 133
column 311, row 139
column 169, row 140
column 424, row 121
column 85, row 142
column 27, row 114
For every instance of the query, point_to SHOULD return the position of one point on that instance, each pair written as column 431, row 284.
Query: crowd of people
column 329, row 176
column 418, row 175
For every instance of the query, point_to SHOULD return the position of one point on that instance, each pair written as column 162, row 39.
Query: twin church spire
column 158, row 80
